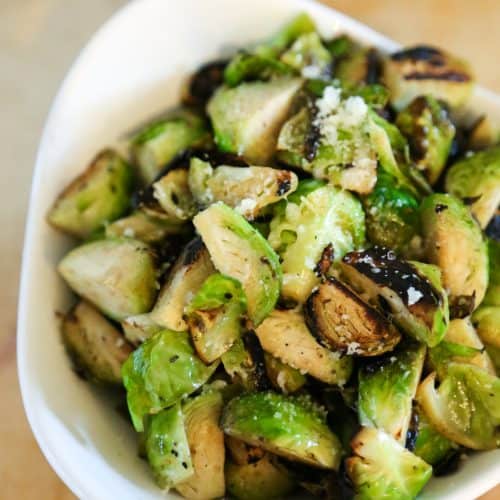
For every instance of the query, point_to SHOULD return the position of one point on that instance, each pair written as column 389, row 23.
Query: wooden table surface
column 38, row 41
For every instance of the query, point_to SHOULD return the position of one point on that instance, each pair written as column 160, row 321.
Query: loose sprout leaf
column 288, row 426
column 466, row 406
column 160, row 372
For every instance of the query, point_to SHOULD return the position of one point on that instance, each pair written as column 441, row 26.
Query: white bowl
column 132, row 68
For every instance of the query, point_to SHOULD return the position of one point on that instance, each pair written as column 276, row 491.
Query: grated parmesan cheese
column 414, row 295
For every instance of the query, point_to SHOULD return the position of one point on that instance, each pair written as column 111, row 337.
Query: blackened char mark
column 450, row 76
column 412, row 432
column 373, row 67
column 192, row 251
column 462, row 306
column 205, row 81
column 418, row 53
column 252, row 344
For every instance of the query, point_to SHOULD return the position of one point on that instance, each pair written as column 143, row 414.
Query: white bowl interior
column 130, row 70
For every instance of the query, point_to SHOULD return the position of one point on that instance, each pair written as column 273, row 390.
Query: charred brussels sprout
column 454, row 242
column 206, row 444
column 204, row 82
column 476, row 179
column 159, row 142
column 343, row 321
column 391, row 213
column 247, row 119
column 239, row 251
column 424, row 70
column 117, row 275
column 410, row 291
column 283, row 377
column 214, row 316
column 288, row 426
column 426, row 125
column 466, row 406
column 97, row 348
column 386, row 390
column 305, row 226
column 97, row 196
column 263, row 479
column 160, row 372
column 247, row 190
column 285, row 335
column 167, row 448
column 382, row 468
column 189, row 272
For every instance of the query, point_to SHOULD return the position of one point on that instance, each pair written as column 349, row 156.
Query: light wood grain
column 38, row 41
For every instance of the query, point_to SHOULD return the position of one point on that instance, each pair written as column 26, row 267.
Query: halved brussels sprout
column 453, row 241
column 494, row 354
column 206, row 444
column 167, row 448
column 426, row 125
column 98, row 196
column 239, row 251
column 305, row 226
column 189, row 272
column 424, row 70
column 247, row 190
column 284, row 334
column 391, row 213
column 461, row 344
column 173, row 195
column 339, row 317
column 214, row 316
column 431, row 446
column 483, row 134
column 386, row 390
column 476, row 179
column 247, row 119
column 382, row 468
column 492, row 297
column 116, row 275
column 139, row 328
column 144, row 227
column 410, row 291
column 288, row 426
column 159, row 142
column 466, row 406
column 291, row 147
column 283, row 377
column 96, row 347
column 487, row 322
column 260, row 480
column 160, row 372
column 360, row 65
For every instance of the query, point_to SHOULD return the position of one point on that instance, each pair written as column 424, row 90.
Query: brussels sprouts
column 305, row 227
column 360, row 65
column 283, row 377
column 167, row 448
column 426, row 125
column 284, row 334
column 454, row 242
column 189, row 272
column 476, row 178
column 97, row 348
column 431, row 446
column 424, row 70
column 206, row 444
column 239, row 251
column 97, row 196
column 339, row 317
column 461, row 344
column 386, row 390
column 173, row 195
column 288, row 426
column 291, row 147
column 466, row 406
column 260, row 480
column 139, row 328
column 483, row 134
column 117, row 275
column 160, row 372
column 410, row 291
column 487, row 322
column 391, row 213
column 309, row 56
column 492, row 297
column 247, row 190
column 204, row 82
column 494, row 354
column 159, row 142
column 382, row 468
column 242, row 453
column 144, row 227
column 247, row 119
column 214, row 316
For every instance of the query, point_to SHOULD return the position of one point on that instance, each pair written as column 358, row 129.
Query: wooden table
column 38, row 41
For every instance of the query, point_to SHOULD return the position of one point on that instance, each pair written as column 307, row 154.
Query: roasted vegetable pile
column 296, row 275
